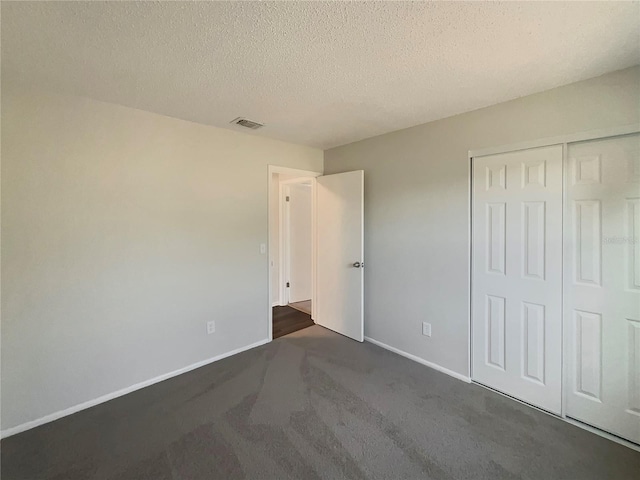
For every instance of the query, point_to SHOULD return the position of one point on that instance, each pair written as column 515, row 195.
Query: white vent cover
column 243, row 122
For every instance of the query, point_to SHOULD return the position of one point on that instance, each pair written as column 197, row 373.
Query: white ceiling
column 320, row 74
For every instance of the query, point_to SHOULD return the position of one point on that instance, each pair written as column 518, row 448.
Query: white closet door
column 602, row 284
column 517, row 274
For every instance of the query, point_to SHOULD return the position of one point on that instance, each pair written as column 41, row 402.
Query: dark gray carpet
column 313, row 405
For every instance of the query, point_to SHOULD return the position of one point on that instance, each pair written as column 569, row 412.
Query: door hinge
column 288, row 285
column 287, row 198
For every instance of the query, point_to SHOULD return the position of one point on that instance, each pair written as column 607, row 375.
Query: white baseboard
column 435, row 366
column 110, row 396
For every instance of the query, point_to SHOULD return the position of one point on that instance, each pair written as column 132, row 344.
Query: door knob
column 358, row 264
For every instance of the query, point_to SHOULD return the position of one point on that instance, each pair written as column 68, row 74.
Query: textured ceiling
column 320, row 74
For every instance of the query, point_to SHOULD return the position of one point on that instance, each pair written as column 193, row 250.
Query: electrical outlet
column 263, row 248
column 211, row 327
column 426, row 329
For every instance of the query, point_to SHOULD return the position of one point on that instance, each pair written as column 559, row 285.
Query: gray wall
column 417, row 200
column 123, row 233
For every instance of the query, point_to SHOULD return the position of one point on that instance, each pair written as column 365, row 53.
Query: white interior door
column 340, row 253
column 517, row 274
column 299, row 241
column 602, row 284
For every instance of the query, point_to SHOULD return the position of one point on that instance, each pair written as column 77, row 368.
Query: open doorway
column 337, row 251
column 291, row 234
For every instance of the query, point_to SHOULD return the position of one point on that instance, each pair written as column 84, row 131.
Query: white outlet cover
column 263, row 248
column 426, row 329
column 211, row 327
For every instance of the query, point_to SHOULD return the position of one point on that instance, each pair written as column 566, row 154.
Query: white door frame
column 559, row 140
column 284, row 271
column 304, row 175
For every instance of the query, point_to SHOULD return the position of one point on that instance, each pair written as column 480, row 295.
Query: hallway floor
column 287, row 320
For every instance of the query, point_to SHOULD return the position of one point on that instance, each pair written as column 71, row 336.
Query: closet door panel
column 602, row 284
column 517, row 274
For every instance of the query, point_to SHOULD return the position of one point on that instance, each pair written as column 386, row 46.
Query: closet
column 555, row 284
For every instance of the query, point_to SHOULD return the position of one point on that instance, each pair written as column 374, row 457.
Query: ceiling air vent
column 243, row 122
